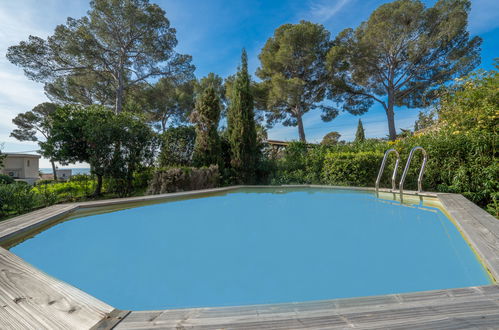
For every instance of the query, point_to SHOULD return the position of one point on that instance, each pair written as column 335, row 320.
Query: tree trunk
column 119, row 93
column 98, row 188
column 301, row 130
column 54, row 171
column 390, row 115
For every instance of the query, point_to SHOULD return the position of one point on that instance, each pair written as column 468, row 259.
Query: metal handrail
column 382, row 168
column 406, row 169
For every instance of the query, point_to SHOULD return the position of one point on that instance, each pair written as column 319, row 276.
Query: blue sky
column 214, row 32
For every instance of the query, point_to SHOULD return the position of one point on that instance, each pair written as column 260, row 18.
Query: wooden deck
column 442, row 309
column 31, row 299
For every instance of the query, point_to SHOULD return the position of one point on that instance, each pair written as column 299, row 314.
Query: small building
column 63, row 174
column 21, row 167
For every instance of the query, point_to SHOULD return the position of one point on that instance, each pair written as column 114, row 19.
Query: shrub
column 351, row 168
column 47, row 196
column 183, row 178
column 18, row 197
column 5, row 179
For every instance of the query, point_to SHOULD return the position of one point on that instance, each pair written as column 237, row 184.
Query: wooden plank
column 31, row 299
column 111, row 320
column 422, row 308
column 23, row 224
column 480, row 228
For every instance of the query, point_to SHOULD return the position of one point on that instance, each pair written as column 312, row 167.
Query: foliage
column 177, row 146
column 360, row 135
column 331, row 138
column 206, row 116
column 401, row 55
column 168, row 101
column 118, row 44
column 426, row 119
column 35, row 123
column 115, row 145
column 351, row 168
column 17, row 197
column 294, row 74
column 215, row 81
column 5, row 179
column 471, row 104
column 183, row 178
column 241, row 126
column 458, row 163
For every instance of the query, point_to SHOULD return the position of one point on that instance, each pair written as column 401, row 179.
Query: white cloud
column 323, row 10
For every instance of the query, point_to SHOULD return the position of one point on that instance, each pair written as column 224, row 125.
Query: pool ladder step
column 406, row 169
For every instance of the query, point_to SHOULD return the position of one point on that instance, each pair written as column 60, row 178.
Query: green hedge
column 458, row 163
column 351, row 168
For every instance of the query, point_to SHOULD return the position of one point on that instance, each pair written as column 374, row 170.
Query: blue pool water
column 254, row 248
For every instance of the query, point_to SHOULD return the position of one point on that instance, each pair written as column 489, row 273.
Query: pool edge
column 478, row 227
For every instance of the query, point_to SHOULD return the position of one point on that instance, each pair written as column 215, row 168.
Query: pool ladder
column 406, row 169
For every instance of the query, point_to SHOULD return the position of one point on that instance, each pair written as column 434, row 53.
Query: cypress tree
column 360, row 135
column 241, row 125
column 206, row 116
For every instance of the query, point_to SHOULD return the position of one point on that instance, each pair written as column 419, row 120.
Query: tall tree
column 360, row 135
column 217, row 82
column 206, row 116
column 241, row 125
column 35, row 124
column 294, row 73
column 119, row 42
column 401, row 55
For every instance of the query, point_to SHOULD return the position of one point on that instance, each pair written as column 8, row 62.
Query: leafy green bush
column 17, row 197
column 47, row 196
column 351, row 168
column 5, row 179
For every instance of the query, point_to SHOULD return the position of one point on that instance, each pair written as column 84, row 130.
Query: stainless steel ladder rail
column 382, row 168
column 406, row 169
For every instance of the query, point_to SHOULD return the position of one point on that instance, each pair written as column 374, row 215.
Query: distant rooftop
column 22, row 155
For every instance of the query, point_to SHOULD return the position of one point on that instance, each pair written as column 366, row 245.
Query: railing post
column 421, row 172
column 382, row 168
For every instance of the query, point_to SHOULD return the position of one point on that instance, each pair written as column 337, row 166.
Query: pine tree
column 206, row 116
column 360, row 135
column 241, row 125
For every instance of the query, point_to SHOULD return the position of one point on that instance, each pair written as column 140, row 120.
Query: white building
column 63, row 174
column 22, row 167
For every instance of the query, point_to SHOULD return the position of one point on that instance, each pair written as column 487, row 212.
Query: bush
column 183, row 179
column 17, row 197
column 5, row 179
column 47, row 196
column 351, row 168
column 458, row 163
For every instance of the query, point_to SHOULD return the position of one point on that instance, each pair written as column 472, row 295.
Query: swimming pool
column 256, row 246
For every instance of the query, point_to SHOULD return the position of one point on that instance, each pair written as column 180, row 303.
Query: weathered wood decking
column 441, row 309
column 31, row 299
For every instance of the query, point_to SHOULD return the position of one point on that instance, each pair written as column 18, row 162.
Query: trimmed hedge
column 458, row 163
column 351, row 168
column 183, row 179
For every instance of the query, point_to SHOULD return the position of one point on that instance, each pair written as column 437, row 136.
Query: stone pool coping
column 30, row 298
